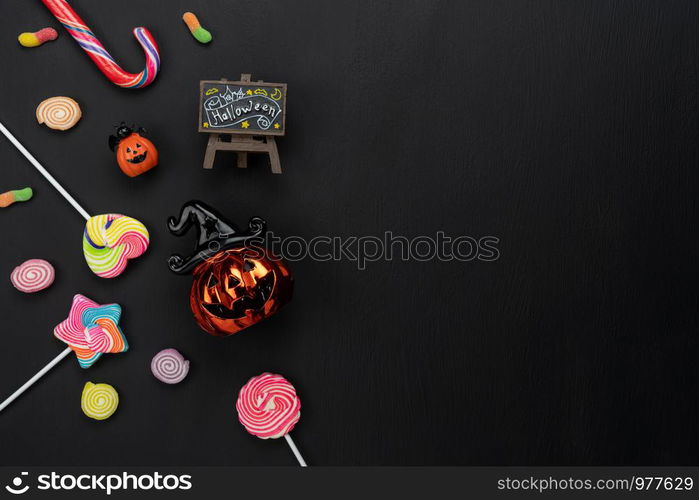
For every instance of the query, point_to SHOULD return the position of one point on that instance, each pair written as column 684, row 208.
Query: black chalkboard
column 255, row 108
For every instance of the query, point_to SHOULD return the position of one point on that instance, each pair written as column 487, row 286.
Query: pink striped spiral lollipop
column 268, row 406
column 32, row 276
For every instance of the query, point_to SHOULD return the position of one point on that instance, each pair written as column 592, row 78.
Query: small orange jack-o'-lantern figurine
column 135, row 154
column 237, row 282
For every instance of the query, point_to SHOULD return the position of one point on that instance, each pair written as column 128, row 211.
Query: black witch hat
column 214, row 234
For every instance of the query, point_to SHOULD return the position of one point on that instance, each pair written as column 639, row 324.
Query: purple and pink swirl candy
column 169, row 366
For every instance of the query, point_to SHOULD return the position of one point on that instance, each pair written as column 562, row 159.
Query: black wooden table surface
column 568, row 130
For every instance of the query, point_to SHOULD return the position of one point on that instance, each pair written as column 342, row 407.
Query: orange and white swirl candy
column 268, row 406
column 58, row 113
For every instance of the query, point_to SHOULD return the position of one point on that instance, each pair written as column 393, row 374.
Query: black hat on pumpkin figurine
column 237, row 282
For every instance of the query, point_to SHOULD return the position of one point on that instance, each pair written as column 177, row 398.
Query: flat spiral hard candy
column 268, row 406
column 169, row 366
column 110, row 240
column 58, row 113
column 32, row 276
column 99, row 401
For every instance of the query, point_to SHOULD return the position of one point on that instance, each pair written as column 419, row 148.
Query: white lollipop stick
column 293, row 447
column 36, row 377
column 43, row 172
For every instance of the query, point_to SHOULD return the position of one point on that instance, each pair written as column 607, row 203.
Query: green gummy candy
column 23, row 194
column 202, row 35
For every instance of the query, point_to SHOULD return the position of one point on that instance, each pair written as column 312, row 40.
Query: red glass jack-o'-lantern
column 237, row 282
column 135, row 154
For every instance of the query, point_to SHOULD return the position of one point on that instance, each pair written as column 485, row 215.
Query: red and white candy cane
column 99, row 55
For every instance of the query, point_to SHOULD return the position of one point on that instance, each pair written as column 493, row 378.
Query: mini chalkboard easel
column 244, row 117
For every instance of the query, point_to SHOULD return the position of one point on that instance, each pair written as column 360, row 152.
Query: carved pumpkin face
column 136, row 154
column 237, row 288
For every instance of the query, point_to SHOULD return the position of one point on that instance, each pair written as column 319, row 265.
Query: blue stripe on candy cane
column 97, row 50
column 141, row 81
column 90, row 46
column 87, row 32
column 134, row 83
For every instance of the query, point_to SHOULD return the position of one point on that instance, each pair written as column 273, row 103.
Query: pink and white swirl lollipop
column 269, row 408
column 169, row 366
column 33, row 276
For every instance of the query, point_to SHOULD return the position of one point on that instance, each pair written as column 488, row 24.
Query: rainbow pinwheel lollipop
column 90, row 330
